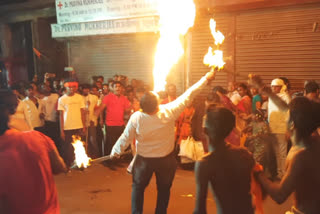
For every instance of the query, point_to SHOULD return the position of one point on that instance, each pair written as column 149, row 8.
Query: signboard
column 76, row 11
column 116, row 26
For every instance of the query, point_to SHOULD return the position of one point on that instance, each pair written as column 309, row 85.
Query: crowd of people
column 252, row 133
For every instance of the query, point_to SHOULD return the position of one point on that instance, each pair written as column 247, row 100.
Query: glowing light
column 81, row 158
column 176, row 17
column 214, row 58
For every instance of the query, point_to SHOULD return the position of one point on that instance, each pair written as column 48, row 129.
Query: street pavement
column 106, row 189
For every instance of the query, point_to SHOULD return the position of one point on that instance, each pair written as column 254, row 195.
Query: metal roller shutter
column 129, row 54
column 279, row 42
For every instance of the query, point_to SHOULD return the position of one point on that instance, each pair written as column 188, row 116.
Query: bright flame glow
column 176, row 17
column 81, row 159
column 214, row 59
column 217, row 35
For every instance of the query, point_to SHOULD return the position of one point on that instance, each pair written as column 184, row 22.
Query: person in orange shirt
column 28, row 160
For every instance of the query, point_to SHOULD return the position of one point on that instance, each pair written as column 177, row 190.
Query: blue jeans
column 143, row 169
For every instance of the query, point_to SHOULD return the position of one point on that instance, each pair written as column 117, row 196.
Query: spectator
column 28, row 160
column 91, row 102
column 172, row 94
column 72, row 118
column 33, row 110
column 233, row 93
column 50, row 103
column 256, row 99
column 116, row 105
column 105, row 89
column 278, row 122
column 312, row 91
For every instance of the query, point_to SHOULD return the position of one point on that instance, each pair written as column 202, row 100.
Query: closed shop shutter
column 279, row 42
column 129, row 54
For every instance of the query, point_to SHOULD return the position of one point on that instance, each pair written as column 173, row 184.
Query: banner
column 134, row 25
column 76, row 11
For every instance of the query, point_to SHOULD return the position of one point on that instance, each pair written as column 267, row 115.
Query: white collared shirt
column 32, row 113
column 154, row 134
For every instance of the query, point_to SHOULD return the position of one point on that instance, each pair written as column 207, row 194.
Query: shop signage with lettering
column 76, row 11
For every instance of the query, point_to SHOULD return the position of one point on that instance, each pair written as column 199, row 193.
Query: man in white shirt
column 72, row 118
column 91, row 102
column 278, row 124
column 51, row 124
column 233, row 94
column 153, row 129
column 33, row 110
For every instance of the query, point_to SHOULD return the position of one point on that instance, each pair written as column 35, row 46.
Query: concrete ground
column 106, row 189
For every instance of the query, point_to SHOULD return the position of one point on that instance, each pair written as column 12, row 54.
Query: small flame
column 81, row 159
column 173, row 25
column 214, row 59
column 217, row 35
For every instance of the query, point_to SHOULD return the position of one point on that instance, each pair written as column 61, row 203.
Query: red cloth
column 26, row 180
column 116, row 105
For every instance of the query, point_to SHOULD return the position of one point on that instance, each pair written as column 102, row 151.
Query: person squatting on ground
column 153, row 129
column 28, row 162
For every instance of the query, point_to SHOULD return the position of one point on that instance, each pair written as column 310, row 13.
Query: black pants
column 100, row 139
column 68, row 150
column 113, row 133
column 51, row 129
column 143, row 168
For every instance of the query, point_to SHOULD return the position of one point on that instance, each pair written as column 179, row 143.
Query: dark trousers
column 93, row 150
column 100, row 139
column 143, row 168
column 68, row 150
column 51, row 129
column 113, row 133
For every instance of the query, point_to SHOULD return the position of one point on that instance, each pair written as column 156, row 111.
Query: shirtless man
column 226, row 167
column 302, row 174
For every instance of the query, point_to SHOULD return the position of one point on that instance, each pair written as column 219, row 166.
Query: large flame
column 81, row 158
column 176, row 17
column 214, row 59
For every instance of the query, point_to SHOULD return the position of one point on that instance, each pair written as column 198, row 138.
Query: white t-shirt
column 91, row 102
column 50, row 106
column 71, row 107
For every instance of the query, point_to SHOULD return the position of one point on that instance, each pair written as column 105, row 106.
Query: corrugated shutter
column 130, row 55
column 202, row 39
column 279, row 42
column 126, row 54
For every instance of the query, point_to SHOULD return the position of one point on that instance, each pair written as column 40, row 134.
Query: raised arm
column 178, row 105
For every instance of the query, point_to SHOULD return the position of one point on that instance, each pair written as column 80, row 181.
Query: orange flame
column 176, row 17
column 214, row 59
column 81, row 158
